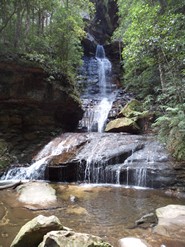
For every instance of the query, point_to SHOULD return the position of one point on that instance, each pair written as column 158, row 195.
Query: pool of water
column 107, row 211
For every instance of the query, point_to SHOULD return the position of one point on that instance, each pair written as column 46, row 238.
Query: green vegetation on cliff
column 49, row 31
column 153, row 35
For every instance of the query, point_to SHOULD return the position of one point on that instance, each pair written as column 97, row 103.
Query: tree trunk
column 163, row 4
column 161, row 71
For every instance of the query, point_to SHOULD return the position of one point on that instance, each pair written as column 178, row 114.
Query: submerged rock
column 70, row 238
column 171, row 221
column 32, row 233
column 76, row 210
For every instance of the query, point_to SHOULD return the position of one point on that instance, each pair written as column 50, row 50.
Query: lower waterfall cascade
column 92, row 156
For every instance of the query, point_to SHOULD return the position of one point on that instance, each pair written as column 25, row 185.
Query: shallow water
column 106, row 211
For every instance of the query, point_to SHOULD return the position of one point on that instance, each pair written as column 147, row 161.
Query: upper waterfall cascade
column 98, row 100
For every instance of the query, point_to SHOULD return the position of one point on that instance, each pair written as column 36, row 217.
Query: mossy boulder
column 70, row 238
column 32, row 233
column 5, row 158
column 44, row 231
column 132, row 119
column 122, row 125
column 133, row 108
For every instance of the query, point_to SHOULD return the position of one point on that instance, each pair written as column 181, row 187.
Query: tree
column 153, row 34
column 49, row 30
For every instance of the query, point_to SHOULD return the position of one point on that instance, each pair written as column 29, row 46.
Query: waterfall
column 100, row 52
column 98, row 101
column 104, row 70
column 116, row 158
column 36, row 170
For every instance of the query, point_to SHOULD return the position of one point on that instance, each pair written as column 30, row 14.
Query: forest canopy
column 153, row 36
column 46, row 30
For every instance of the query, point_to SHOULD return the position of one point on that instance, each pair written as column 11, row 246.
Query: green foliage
column 153, row 34
column 151, row 39
column 171, row 128
column 51, row 29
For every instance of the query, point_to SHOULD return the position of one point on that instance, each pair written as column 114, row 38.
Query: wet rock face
column 108, row 158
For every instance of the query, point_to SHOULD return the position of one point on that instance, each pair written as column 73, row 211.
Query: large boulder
column 32, row 233
column 70, row 238
column 122, row 125
column 171, row 221
column 132, row 118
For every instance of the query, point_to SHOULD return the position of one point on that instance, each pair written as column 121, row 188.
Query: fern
column 171, row 130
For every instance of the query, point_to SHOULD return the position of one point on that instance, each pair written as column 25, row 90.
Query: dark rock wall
column 101, row 27
column 105, row 20
column 34, row 106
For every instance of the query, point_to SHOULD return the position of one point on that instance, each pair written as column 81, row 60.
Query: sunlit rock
column 132, row 242
column 31, row 234
column 36, row 193
column 70, row 238
column 171, row 221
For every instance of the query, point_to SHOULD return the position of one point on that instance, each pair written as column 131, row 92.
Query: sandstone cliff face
column 33, row 106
